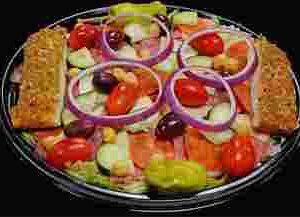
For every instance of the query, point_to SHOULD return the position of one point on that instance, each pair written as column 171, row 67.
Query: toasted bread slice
column 274, row 108
column 43, row 80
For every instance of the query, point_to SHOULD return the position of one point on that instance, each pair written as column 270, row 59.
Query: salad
column 145, row 99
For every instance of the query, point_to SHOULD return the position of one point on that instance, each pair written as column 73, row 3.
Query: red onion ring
column 107, row 120
column 243, row 75
column 199, row 123
column 110, row 54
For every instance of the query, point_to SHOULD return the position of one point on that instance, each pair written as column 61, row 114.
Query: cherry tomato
column 210, row 44
column 69, row 150
column 238, row 156
column 121, row 99
column 147, row 84
column 84, row 35
column 190, row 92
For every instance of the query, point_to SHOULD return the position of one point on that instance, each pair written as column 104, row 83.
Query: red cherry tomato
column 121, row 99
column 69, row 150
column 238, row 156
column 84, row 35
column 190, row 92
column 210, row 44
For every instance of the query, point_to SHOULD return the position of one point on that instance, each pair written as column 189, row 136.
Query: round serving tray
column 136, row 202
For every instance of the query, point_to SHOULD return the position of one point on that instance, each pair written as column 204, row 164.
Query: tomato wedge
column 201, row 24
column 143, row 146
column 243, row 94
column 202, row 151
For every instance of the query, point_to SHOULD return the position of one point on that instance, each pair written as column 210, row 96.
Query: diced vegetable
column 147, row 124
column 81, row 58
column 137, row 32
column 110, row 155
column 175, row 175
column 109, row 135
column 227, row 65
column 128, row 52
column 188, row 52
column 169, row 65
column 152, row 8
column 220, row 112
column 203, row 61
column 73, row 71
column 185, row 17
column 200, row 112
column 67, row 117
column 242, row 125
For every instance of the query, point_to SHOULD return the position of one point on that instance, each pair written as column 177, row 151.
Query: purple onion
column 106, row 120
column 110, row 54
column 243, row 75
column 185, row 116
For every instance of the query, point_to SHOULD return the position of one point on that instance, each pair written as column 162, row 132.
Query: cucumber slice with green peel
column 81, row 58
column 185, row 17
column 201, row 112
column 220, row 112
column 169, row 65
column 203, row 61
column 115, row 158
column 108, row 154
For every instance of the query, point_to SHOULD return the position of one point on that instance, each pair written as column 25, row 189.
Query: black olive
column 115, row 37
column 104, row 81
column 170, row 126
column 79, row 128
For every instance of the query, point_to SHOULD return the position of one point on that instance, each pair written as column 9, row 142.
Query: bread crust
column 275, row 110
column 41, row 84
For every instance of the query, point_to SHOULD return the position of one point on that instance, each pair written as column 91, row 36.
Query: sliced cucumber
column 67, row 117
column 218, row 137
column 81, row 58
column 185, row 17
column 220, row 112
column 200, row 112
column 188, row 51
column 144, row 125
column 114, row 158
column 85, row 85
column 203, row 61
column 169, row 65
column 108, row 154
column 128, row 52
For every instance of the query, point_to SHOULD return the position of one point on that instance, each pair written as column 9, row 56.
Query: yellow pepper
column 109, row 135
column 74, row 71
